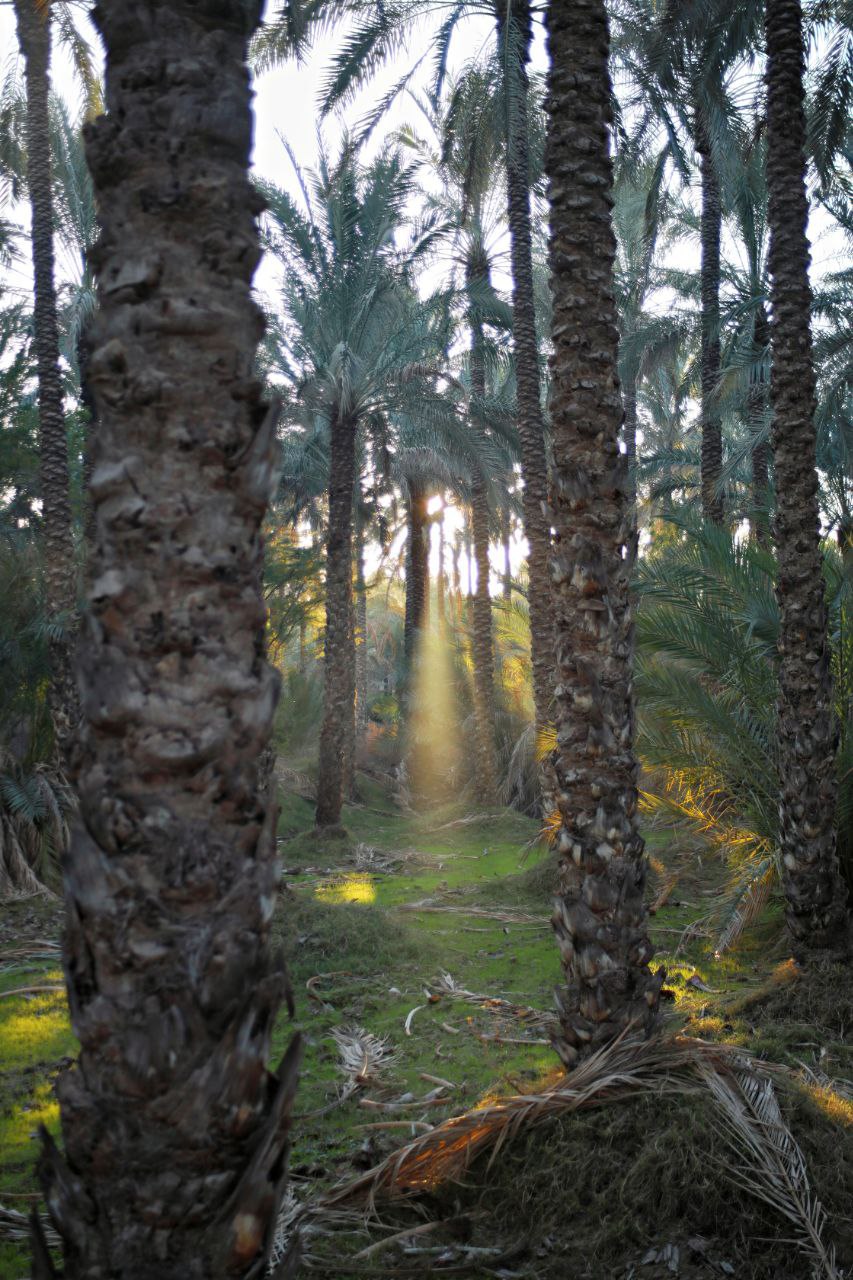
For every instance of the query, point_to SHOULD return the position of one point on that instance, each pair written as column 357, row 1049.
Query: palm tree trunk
column 485, row 780
column 710, row 233
column 600, row 917
column 629, row 437
column 808, row 735
column 33, row 24
column 441, row 580
column 417, row 571
column 515, row 35
column 175, row 1133
column 506, row 534
column 756, row 404
column 361, row 638
column 303, row 649
column 337, row 731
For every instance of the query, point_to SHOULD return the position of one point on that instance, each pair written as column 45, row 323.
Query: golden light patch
column 357, row 887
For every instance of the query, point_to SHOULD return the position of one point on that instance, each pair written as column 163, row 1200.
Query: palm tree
column 375, row 35
column 359, row 347
column 471, row 140
column 600, row 916
column 175, row 1133
column 685, row 57
column 808, row 734
column 33, row 23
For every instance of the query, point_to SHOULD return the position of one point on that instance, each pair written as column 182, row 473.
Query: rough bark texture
column 175, row 1133
column 815, row 892
column 600, row 917
column 710, row 231
column 337, row 731
column 516, row 36
column 485, row 780
column 756, row 405
column 33, row 24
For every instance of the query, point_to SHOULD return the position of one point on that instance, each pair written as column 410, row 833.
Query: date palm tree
column 808, row 733
column 357, row 346
column 376, row 34
column 600, row 916
column 33, row 26
column 174, row 1131
column 684, row 59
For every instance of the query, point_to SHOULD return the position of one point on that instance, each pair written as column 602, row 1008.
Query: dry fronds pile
column 445, row 1152
column 770, row 1163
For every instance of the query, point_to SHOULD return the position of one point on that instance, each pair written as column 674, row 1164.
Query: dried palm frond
column 770, row 1164
column 445, row 986
column 362, row 1056
column 750, row 901
column 624, row 1068
column 15, row 1227
column 475, row 913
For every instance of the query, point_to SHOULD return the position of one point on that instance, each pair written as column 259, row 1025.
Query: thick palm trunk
column 337, row 731
column 33, row 23
column 815, row 892
column 756, row 404
column 515, row 36
column 710, row 232
column 485, row 780
column 174, row 1132
column 600, row 917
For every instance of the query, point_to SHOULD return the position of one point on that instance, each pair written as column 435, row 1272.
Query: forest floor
column 430, row 932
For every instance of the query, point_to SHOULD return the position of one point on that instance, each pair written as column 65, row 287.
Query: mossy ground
column 586, row 1197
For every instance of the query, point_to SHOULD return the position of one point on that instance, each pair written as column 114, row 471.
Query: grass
column 603, row 1186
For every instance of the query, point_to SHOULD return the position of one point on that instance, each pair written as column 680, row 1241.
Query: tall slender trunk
column 756, row 405
column 808, row 735
column 361, row 638
column 515, row 36
column 441, row 579
column 33, row 25
column 175, row 1133
column 710, row 232
column 600, row 917
column 629, row 437
column 417, row 570
column 506, row 535
column 303, row 653
column 457, row 581
column 485, row 779
column 337, row 728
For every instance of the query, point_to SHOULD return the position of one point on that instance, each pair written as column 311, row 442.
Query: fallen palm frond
column 15, row 1227
column 774, row 1171
column 28, row 991
column 446, row 987
column 362, row 1057
column 478, row 913
column 444, row 1153
column 770, row 1164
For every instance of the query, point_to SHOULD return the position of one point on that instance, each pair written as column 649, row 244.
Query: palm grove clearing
column 420, row 951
